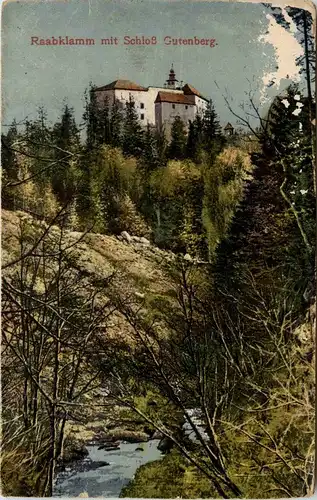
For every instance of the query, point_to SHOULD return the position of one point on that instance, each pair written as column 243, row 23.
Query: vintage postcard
column 158, row 249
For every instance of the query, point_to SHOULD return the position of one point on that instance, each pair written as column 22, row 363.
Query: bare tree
column 53, row 313
column 234, row 361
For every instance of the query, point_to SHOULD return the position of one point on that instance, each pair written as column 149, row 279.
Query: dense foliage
column 232, row 336
column 123, row 177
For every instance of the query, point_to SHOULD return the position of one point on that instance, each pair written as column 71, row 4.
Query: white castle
column 156, row 106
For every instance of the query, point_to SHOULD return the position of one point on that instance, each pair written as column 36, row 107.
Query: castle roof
column 174, row 98
column 122, row 85
column 190, row 90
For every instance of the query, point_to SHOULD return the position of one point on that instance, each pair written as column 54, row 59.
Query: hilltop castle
column 156, row 106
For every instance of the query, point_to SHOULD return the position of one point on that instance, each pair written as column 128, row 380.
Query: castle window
column 142, row 116
column 186, row 107
column 173, row 106
column 142, row 105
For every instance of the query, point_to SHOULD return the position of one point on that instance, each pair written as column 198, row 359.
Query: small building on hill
column 228, row 129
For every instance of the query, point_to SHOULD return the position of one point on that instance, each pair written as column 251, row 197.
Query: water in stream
column 109, row 480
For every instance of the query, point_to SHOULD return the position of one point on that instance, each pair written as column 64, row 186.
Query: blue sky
column 44, row 75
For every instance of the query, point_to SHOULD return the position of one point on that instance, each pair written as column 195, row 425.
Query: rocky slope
column 134, row 259
column 139, row 271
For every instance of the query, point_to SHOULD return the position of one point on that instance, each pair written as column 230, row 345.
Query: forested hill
column 176, row 275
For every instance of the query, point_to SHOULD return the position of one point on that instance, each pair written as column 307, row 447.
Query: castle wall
column 142, row 103
column 167, row 112
column 201, row 105
column 145, row 113
column 152, row 93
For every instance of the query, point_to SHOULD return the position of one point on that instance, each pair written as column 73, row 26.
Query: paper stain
column 287, row 50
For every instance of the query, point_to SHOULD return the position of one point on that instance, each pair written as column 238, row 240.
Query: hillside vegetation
column 146, row 282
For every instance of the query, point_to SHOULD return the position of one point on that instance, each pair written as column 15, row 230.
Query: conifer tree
column 104, row 119
column 191, row 142
column 9, row 165
column 150, row 158
column 39, row 127
column 195, row 139
column 38, row 130
column 290, row 151
column 8, row 154
column 67, row 143
column 161, row 146
column 212, row 138
column 37, row 142
column 115, row 127
column 132, row 140
column 177, row 147
column 275, row 225
column 96, row 118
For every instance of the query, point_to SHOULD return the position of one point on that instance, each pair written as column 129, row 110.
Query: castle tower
column 171, row 81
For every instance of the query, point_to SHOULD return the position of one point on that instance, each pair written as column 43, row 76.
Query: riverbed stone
column 97, row 465
column 74, row 450
column 165, row 445
column 109, row 446
column 129, row 436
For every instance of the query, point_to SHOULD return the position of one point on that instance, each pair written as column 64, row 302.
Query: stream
column 108, row 480
column 90, row 476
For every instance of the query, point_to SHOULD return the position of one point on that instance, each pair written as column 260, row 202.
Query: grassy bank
column 170, row 477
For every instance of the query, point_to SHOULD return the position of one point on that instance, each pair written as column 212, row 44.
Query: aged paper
column 158, row 249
